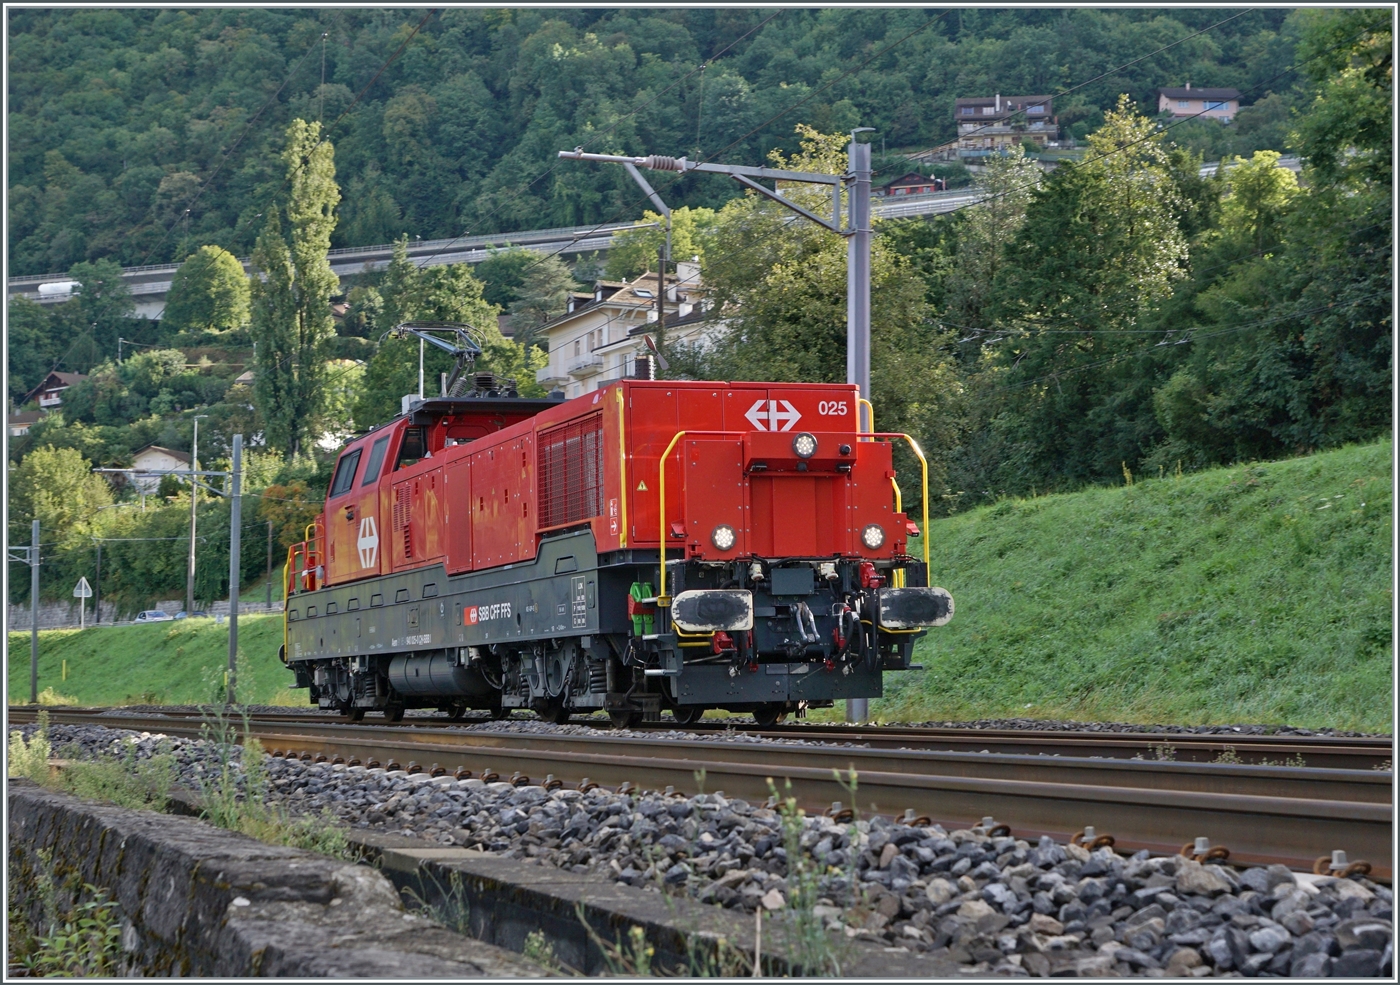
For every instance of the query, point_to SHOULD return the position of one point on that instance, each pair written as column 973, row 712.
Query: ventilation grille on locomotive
column 571, row 472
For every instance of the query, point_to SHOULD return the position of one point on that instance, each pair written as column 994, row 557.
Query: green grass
column 1260, row 593
column 165, row 663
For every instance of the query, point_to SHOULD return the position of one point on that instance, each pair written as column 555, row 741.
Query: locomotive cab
column 653, row 545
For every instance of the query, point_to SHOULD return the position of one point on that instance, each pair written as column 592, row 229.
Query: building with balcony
column 993, row 124
column 603, row 336
column 49, row 393
column 1210, row 104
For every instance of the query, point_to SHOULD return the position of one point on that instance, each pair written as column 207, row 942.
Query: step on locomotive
column 654, row 545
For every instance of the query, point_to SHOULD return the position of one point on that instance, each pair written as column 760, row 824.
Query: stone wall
column 64, row 615
column 199, row 900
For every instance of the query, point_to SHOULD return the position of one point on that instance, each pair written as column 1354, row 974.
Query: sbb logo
column 486, row 613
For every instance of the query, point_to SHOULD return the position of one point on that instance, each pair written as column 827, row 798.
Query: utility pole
column 661, row 259
column 235, row 546
column 857, row 232
column 97, row 588
column 34, row 610
column 194, row 502
column 269, row 565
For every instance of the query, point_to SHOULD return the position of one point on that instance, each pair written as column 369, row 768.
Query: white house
column 158, row 459
column 600, row 337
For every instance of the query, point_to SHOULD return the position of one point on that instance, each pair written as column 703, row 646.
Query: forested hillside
column 1117, row 317
column 139, row 135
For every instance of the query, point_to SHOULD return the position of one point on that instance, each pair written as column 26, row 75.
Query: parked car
column 153, row 615
column 182, row 614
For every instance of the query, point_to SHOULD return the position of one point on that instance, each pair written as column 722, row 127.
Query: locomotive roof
column 424, row 411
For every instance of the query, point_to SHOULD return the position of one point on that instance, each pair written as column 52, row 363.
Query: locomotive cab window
column 413, row 448
column 376, row 460
column 345, row 473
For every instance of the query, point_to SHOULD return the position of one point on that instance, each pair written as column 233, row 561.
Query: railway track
column 1324, row 752
column 1263, row 814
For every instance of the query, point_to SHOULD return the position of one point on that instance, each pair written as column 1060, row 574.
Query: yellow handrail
column 622, row 466
column 661, row 597
column 287, row 570
column 898, row 508
column 923, row 463
column 869, row 406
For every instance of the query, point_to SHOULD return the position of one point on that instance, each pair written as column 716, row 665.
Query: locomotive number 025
column 832, row 408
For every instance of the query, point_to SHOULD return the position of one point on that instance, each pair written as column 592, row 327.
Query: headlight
column 723, row 537
column 873, row 536
column 804, row 445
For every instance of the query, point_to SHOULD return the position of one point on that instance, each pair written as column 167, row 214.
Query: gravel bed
column 997, row 905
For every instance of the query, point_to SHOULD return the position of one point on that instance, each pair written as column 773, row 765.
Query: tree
column 56, row 486
column 209, row 293
column 1100, row 248
column 449, row 293
column 503, row 273
column 292, row 286
column 544, row 290
column 1006, row 184
column 1259, row 195
column 33, row 345
column 634, row 251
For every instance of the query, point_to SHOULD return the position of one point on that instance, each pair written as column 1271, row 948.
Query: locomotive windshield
column 376, row 460
column 412, row 448
column 345, row 473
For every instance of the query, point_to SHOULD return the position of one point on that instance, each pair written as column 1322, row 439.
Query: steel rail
column 1263, row 814
column 1320, row 752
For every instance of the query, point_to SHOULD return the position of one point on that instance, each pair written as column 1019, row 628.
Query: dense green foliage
column 1258, row 593
column 209, row 294
column 1117, row 315
column 139, row 135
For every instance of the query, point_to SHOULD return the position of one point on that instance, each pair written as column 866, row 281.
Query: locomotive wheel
column 769, row 715
column 498, row 713
column 555, row 714
column 624, row 719
column 393, row 713
column 354, row 714
column 458, row 711
column 688, row 714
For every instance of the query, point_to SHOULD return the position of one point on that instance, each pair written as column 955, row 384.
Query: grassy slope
column 1259, row 593
column 171, row 662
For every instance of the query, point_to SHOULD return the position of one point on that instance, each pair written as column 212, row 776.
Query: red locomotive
column 492, row 551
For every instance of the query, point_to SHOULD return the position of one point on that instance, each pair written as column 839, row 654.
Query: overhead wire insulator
column 658, row 162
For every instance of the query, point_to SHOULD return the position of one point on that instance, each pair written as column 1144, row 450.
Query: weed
column 48, row 696
column 804, row 932
column 446, row 905
column 539, row 950
column 632, row 958
column 124, row 780
column 1163, row 752
column 1227, row 756
column 233, row 790
column 31, row 759
column 83, row 940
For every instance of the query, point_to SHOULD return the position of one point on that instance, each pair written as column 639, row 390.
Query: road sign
column 82, row 590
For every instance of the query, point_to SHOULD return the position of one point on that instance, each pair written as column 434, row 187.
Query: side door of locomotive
column 340, row 515
column 368, row 524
